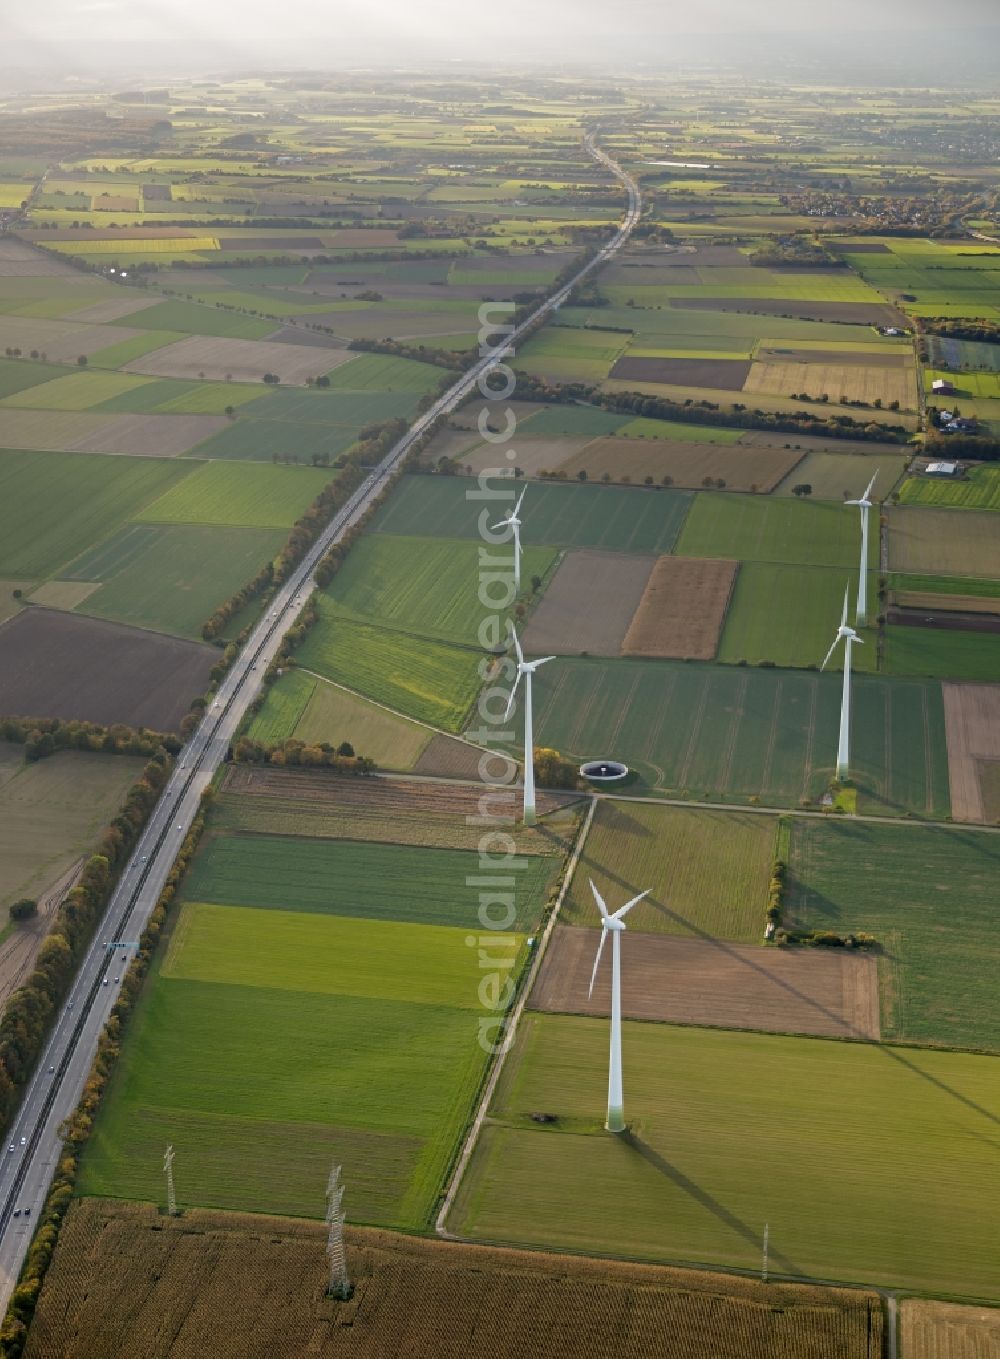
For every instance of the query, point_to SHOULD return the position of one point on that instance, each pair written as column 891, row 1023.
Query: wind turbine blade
column 600, row 901
column 504, row 523
column 843, row 617
column 597, row 961
column 858, row 641
column 543, row 660
column 510, row 701
column 830, row 652
column 868, row 493
column 620, row 913
column 517, row 644
column 517, row 507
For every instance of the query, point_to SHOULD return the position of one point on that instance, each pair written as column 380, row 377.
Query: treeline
column 739, row 417
column 794, row 250
column 294, row 754
column 949, row 329
column 455, row 360
column 21, row 1308
column 43, row 736
column 975, row 446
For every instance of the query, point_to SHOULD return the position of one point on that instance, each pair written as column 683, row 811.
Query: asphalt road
column 34, row 1144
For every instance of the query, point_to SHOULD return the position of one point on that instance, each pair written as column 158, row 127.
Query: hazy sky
column 335, row 32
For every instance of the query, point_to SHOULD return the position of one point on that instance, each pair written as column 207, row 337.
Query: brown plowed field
column 972, row 727
column 688, row 464
column 683, row 609
column 589, row 604
column 728, row 375
column 113, row 309
column 246, row 360
column 386, row 794
column 929, row 600
column 126, row 1282
column 447, row 758
column 945, row 1330
column 55, row 664
column 715, row 983
column 18, row 260
column 857, row 313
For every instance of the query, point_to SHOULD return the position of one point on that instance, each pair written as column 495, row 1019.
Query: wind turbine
column 526, row 669
column 850, row 637
column 866, row 504
column 615, row 926
column 514, row 522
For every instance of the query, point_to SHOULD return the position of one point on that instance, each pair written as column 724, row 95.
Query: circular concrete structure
column 604, row 771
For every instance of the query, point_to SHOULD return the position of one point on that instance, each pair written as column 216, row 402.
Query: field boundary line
column 403, row 717
column 510, row 1029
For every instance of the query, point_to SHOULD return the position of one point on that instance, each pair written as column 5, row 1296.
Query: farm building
column 942, row 387
column 941, row 469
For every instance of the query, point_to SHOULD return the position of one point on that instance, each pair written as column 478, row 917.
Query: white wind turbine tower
column 527, row 670
column 866, row 503
column 615, row 926
column 849, row 637
column 514, row 522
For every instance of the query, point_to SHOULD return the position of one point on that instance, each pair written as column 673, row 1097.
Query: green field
column 384, row 373
column 336, row 1028
column 928, row 895
column 431, row 681
column 708, row 870
column 284, row 703
column 562, row 516
column 945, row 585
column 51, row 812
column 252, row 440
column 789, row 615
column 175, row 396
column 756, row 529
column 423, row 586
column 979, row 490
column 348, row 409
column 885, row 1156
column 171, row 577
column 124, row 351
column 252, row 497
column 53, row 506
column 694, row 730
column 192, row 319
column 671, row 429
column 75, row 391
column 335, row 877
column 17, row 375
column 943, row 654
column 573, row 420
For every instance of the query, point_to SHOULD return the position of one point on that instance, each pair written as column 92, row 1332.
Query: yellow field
column 129, row 246
column 840, row 382
column 944, row 1330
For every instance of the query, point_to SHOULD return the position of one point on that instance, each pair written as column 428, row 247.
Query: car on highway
column 10, row 1148
column 51, row 1069
column 116, row 980
column 105, row 982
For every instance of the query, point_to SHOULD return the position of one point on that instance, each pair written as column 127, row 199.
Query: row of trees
column 43, row 736
column 295, row 754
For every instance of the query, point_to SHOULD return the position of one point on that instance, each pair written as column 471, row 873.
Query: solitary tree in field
column 82, row 360
column 25, row 909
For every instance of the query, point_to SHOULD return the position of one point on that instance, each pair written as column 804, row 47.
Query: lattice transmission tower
column 339, row 1285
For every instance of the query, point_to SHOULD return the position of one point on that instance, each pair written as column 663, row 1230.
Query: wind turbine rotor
column 597, row 960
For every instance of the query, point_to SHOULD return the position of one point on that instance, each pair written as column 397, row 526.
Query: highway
column 33, row 1147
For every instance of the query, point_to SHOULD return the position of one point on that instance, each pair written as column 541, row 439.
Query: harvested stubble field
column 972, row 723
column 947, row 1330
column 830, row 474
column 328, row 713
column 841, row 381
column 284, row 801
column 532, row 456
column 60, row 665
column 122, row 1282
column 709, row 982
column 686, row 464
column 682, row 609
column 588, row 605
column 886, row 1154
column 62, row 341
column 708, row 870
column 243, row 360
column 927, row 894
column 855, row 313
column 943, row 542
column 51, row 811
